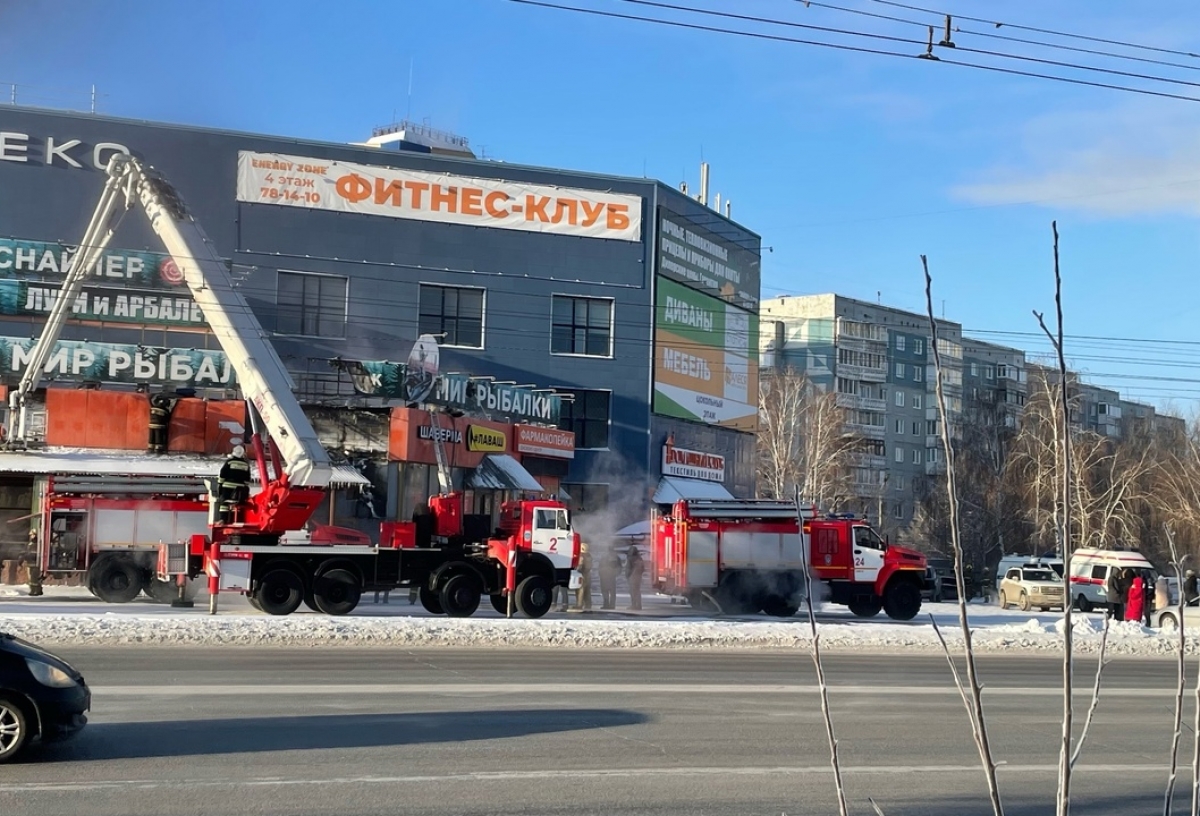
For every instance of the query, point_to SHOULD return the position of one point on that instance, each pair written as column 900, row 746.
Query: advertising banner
column 79, row 360
column 296, row 181
column 552, row 442
column 705, row 368
column 699, row 258
column 126, row 287
column 692, row 464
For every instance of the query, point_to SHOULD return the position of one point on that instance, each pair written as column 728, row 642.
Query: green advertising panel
column 79, row 360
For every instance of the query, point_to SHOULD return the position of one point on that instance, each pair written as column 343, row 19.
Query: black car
column 41, row 697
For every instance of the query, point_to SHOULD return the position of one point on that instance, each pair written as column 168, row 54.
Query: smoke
column 628, row 502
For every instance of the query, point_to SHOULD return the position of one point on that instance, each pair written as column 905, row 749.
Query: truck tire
column 901, row 600
column 431, row 601
column 336, row 592
column 865, row 606
column 460, row 595
column 779, row 607
column 279, row 592
column 166, row 591
column 115, row 580
column 14, row 729
column 500, row 603
column 535, row 596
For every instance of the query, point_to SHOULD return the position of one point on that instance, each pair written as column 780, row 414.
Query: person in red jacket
column 1135, row 602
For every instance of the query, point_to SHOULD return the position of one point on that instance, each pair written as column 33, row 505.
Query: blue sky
column 849, row 165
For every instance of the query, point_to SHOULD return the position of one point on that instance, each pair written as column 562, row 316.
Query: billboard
column 699, row 258
column 143, row 288
column 119, row 363
column 348, row 187
column 705, row 364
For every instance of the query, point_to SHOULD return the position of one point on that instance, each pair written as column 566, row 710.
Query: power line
column 857, row 49
column 1037, row 30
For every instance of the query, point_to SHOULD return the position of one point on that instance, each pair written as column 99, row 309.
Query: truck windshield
column 550, row 519
column 866, row 537
column 1046, row 575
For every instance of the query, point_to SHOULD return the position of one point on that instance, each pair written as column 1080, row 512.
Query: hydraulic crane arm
column 264, row 380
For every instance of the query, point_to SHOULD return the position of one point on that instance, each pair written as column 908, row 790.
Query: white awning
column 499, row 471
column 676, row 488
column 638, row 529
column 78, row 462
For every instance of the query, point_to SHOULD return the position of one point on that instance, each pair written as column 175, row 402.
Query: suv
column 1032, row 586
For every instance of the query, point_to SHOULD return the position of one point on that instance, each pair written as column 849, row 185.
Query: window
column 898, row 510
column 989, row 372
column 845, row 386
column 311, row 305
column 899, row 342
column 931, row 427
column 581, row 325
column 867, row 538
column 587, row 415
column 916, row 429
column 917, row 401
column 899, row 426
column 899, row 454
column 900, row 483
column 918, row 346
column 586, row 498
column 900, row 371
column 899, row 398
column 918, row 374
column 453, row 311
column 974, row 370
column 918, row 456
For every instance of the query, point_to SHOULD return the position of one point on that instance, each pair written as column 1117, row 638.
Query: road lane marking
column 553, row 774
column 494, row 689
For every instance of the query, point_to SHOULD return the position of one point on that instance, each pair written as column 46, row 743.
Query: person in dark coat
column 1191, row 595
column 1136, row 599
column 610, row 568
column 634, row 567
column 1114, row 593
column 160, row 417
column 33, row 565
column 233, row 483
column 1147, row 596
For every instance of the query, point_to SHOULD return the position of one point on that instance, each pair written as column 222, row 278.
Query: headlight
column 48, row 675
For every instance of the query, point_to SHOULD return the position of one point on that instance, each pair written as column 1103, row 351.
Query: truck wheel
column 1083, row 604
column 535, row 596
column 499, row 603
column 431, row 601
column 115, row 580
column 866, row 606
column 336, row 592
column 280, row 592
column 167, row 591
column 901, row 600
column 460, row 596
column 778, row 607
column 14, row 729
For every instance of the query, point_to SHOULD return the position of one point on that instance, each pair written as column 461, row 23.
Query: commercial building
column 598, row 334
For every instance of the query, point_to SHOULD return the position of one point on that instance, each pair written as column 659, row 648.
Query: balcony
column 857, row 372
column 863, row 403
column 870, row 332
column 868, row 460
column 865, row 431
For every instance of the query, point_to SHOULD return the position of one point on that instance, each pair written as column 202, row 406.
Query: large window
column 586, row 498
column 311, row 305
column 587, row 415
column 581, row 326
column 456, row 312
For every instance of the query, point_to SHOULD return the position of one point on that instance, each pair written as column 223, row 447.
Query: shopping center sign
column 79, row 360
column 348, row 187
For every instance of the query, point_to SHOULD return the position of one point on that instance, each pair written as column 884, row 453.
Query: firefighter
column 610, row 568
column 30, row 558
column 634, row 567
column 583, row 595
column 160, row 415
column 233, row 483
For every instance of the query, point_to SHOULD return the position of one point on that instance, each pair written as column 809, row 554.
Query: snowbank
column 71, row 617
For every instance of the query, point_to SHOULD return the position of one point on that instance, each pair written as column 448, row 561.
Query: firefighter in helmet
column 30, row 558
column 160, row 416
column 233, row 484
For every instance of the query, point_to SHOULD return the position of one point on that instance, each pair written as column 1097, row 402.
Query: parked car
column 42, row 697
column 932, row 591
column 1032, row 586
column 1169, row 618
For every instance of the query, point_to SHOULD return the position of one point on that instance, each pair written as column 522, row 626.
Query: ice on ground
column 67, row 616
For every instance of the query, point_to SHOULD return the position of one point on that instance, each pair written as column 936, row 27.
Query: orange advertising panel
column 97, row 419
column 185, row 433
column 224, row 426
column 554, row 443
column 465, row 440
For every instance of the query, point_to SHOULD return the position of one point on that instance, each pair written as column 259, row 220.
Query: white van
column 1090, row 569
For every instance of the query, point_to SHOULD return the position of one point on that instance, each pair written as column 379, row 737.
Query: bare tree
column 802, row 441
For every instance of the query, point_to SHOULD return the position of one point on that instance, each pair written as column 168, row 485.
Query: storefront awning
column 676, row 488
column 76, row 462
column 499, row 471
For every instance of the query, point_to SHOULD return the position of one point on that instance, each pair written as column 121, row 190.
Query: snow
column 70, row 616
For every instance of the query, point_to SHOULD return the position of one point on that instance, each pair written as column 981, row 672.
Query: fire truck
column 746, row 556
column 267, row 549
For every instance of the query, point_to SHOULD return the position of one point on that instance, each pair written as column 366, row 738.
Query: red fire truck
column 454, row 559
column 745, row 556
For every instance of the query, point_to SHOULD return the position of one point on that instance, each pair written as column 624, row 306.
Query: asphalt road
column 354, row 731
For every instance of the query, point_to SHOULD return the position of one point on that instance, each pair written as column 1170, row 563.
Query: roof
column 676, row 488
column 77, row 462
column 499, row 471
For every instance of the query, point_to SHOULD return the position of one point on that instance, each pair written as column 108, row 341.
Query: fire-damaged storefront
column 581, row 319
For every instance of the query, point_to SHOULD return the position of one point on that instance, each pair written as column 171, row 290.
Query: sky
column 849, row 165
